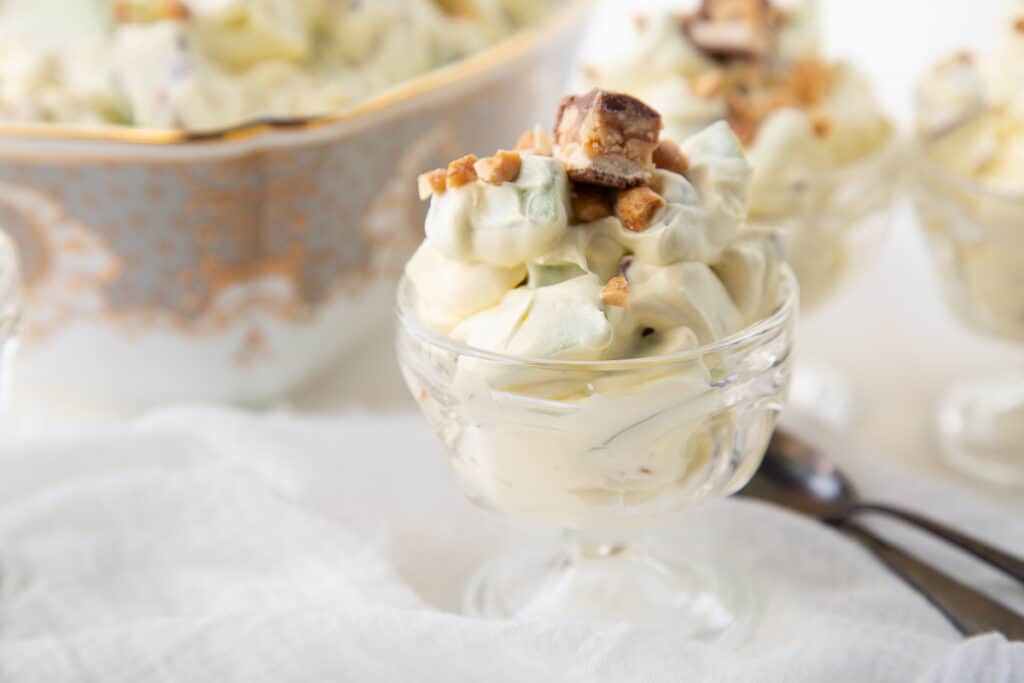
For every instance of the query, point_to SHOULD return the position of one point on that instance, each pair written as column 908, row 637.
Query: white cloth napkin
column 202, row 545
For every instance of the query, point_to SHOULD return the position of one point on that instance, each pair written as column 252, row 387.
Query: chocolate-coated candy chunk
column 607, row 139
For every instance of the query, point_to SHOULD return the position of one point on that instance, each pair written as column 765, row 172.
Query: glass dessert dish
column 604, row 450
column 832, row 228
column 969, row 194
column 976, row 241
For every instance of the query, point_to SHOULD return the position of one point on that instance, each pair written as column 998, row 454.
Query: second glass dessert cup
column 605, row 451
column 832, row 224
column 976, row 235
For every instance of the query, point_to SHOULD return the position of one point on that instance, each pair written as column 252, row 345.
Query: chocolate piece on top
column 734, row 29
column 607, row 138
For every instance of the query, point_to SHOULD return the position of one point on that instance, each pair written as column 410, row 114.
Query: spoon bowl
column 796, row 476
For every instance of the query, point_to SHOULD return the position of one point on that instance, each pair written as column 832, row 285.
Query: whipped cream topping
column 796, row 114
column 507, row 268
column 971, row 110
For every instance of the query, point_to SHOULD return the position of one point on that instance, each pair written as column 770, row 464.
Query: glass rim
column 924, row 163
column 889, row 150
column 783, row 313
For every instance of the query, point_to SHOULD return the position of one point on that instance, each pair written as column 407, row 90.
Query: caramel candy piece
column 502, row 167
column 730, row 29
column 636, row 207
column 616, row 292
column 536, row 141
column 590, row 202
column 607, row 138
column 461, row 171
column 432, row 182
column 668, row 156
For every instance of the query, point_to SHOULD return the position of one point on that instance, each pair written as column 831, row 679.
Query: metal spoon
column 796, row 476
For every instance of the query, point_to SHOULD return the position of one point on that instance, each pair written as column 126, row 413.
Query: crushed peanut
column 616, row 292
column 636, row 207
column 590, row 202
column 432, row 182
column 821, row 123
column 668, row 156
column 536, row 141
column 1019, row 25
column 640, row 22
column 708, row 84
column 461, row 171
column 503, row 167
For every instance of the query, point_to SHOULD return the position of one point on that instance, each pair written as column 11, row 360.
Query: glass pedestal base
column 981, row 429
column 822, row 393
column 596, row 583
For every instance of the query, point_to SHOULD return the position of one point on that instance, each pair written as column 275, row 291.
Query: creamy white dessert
column 208, row 64
column 800, row 117
column 970, row 130
column 612, row 245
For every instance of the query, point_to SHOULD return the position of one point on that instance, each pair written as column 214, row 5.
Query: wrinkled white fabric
column 203, row 545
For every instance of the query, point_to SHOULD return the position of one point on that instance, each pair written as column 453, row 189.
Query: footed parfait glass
column 605, row 451
column 832, row 224
column 976, row 235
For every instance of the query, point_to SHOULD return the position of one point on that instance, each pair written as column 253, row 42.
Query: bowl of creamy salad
column 211, row 197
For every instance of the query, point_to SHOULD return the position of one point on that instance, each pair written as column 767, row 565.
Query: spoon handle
column 1013, row 566
column 969, row 611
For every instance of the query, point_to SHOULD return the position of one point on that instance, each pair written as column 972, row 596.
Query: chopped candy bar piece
column 591, row 202
column 636, row 207
column 501, row 168
column 607, row 138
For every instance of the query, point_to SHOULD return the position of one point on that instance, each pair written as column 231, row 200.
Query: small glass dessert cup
column 605, row 450
column 976, row 239
column 833, row 224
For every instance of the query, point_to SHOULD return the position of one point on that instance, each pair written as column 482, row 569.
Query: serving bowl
column 231, row 266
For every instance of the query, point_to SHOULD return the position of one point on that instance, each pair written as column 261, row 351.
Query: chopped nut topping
column 590, row 202
column 590, row 73
column 811, row 81
column 126, row 12
column 432, row 182
column 616, row 292
column 708, row 84
column 1019, row 25
column 636, row 207
column 607, row 138
column 640, row 22
column 501, row 168
column 668, row 156
column 821, row 123
column 536, row 141
column 461, row 171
